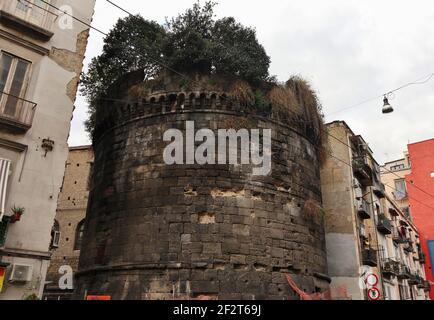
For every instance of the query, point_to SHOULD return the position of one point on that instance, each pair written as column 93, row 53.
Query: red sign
column 2, row 277
column 374, row 294
column 99, row 298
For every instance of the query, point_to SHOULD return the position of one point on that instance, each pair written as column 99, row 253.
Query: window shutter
column 3, row 232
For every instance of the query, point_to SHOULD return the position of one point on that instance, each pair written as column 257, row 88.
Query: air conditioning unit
column 56, row 239
column 21, row 273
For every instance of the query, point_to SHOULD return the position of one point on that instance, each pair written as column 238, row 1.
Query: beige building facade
column 360, row 227
column 41, row 58
column 69, row 224
column 393, row 175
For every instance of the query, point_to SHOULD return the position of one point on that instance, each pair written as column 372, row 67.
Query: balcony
column 369, row 257
column 384, row 225
column 422, row 258
column 363, row 171
column 393, row 212
column 16, row 114
column 412, row 280
column 364, row 210
column 398, row 237
column 390, row 268
column 427, row 286
column 34, row 18
column 408, row 247
column 404, row 272
column 379, row 189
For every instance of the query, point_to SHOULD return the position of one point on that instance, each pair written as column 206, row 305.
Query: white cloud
column 350, row 50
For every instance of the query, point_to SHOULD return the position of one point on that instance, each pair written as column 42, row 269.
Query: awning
column 5, row 166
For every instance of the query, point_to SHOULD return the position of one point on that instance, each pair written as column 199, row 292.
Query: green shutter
column 3, row 232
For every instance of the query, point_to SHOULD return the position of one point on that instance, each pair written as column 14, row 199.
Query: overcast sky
column 351, row 51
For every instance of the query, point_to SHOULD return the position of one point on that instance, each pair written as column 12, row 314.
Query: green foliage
column 238, row 52
column 18, row 210
column 191, row 42
column 260, row 101
column 134, row 43
column 32, row 297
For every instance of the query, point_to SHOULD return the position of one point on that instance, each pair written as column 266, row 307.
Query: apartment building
column 361, row 221
column 410, row 181
column 421, row 196
column 393, row 176
column 69, row 223
column 41, row 58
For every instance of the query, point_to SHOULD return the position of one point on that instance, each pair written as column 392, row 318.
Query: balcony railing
column 364, row 209
column 390, row 267
column 413, row 280
column 427, row 286
column 32, row 17
column 404, row 272
column 384, row 225
column 16, row 114
column 408, row 246
column 379, row 189
column 369, row 257
column 398, row 237
column 422, row 257
column 362, row 170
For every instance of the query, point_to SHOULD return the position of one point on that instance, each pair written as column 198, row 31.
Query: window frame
column 27, row 14
column 79, row 232
column 9, row 80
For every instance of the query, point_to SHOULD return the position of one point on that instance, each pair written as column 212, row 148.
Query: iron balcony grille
column 362, row 170
column 379, row 189
column 408, row 246
column 390, row 267
column 36, row 19
column 404, row 272
column 15, row 112
column 398, row 237
column 422, row 257
column 364, row 209
column 384, row 225
column 369, row 257
column 427, row 286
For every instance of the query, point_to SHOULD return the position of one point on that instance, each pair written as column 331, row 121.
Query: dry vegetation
column 312, row 211
column 283, row 99
column 242, row 92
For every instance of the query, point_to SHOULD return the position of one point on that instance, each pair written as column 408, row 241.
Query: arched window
column 79, row 235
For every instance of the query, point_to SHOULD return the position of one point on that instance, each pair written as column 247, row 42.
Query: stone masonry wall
column 175, row 232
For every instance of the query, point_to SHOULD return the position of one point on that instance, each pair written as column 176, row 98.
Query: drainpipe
column 379, row 266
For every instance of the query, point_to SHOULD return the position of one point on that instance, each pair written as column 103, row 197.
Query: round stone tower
column 158, row 231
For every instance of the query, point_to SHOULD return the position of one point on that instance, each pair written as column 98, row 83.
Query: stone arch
column 172, row 102
column 79, row 231
column 181, row 101
column 213, row 99
column 202, row 100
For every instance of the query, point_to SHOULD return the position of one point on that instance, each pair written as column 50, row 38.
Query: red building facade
column 420, row 185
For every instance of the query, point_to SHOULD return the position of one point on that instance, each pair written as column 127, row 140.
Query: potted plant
column 17, row 213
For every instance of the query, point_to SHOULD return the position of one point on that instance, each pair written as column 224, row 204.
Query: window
column 3, row 232
column 13, row 80
column 401, row 189
column 397, row 167
column 79, row 235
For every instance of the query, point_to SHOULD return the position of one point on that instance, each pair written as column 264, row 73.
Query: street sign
column 374, row 294
column 100, row 298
